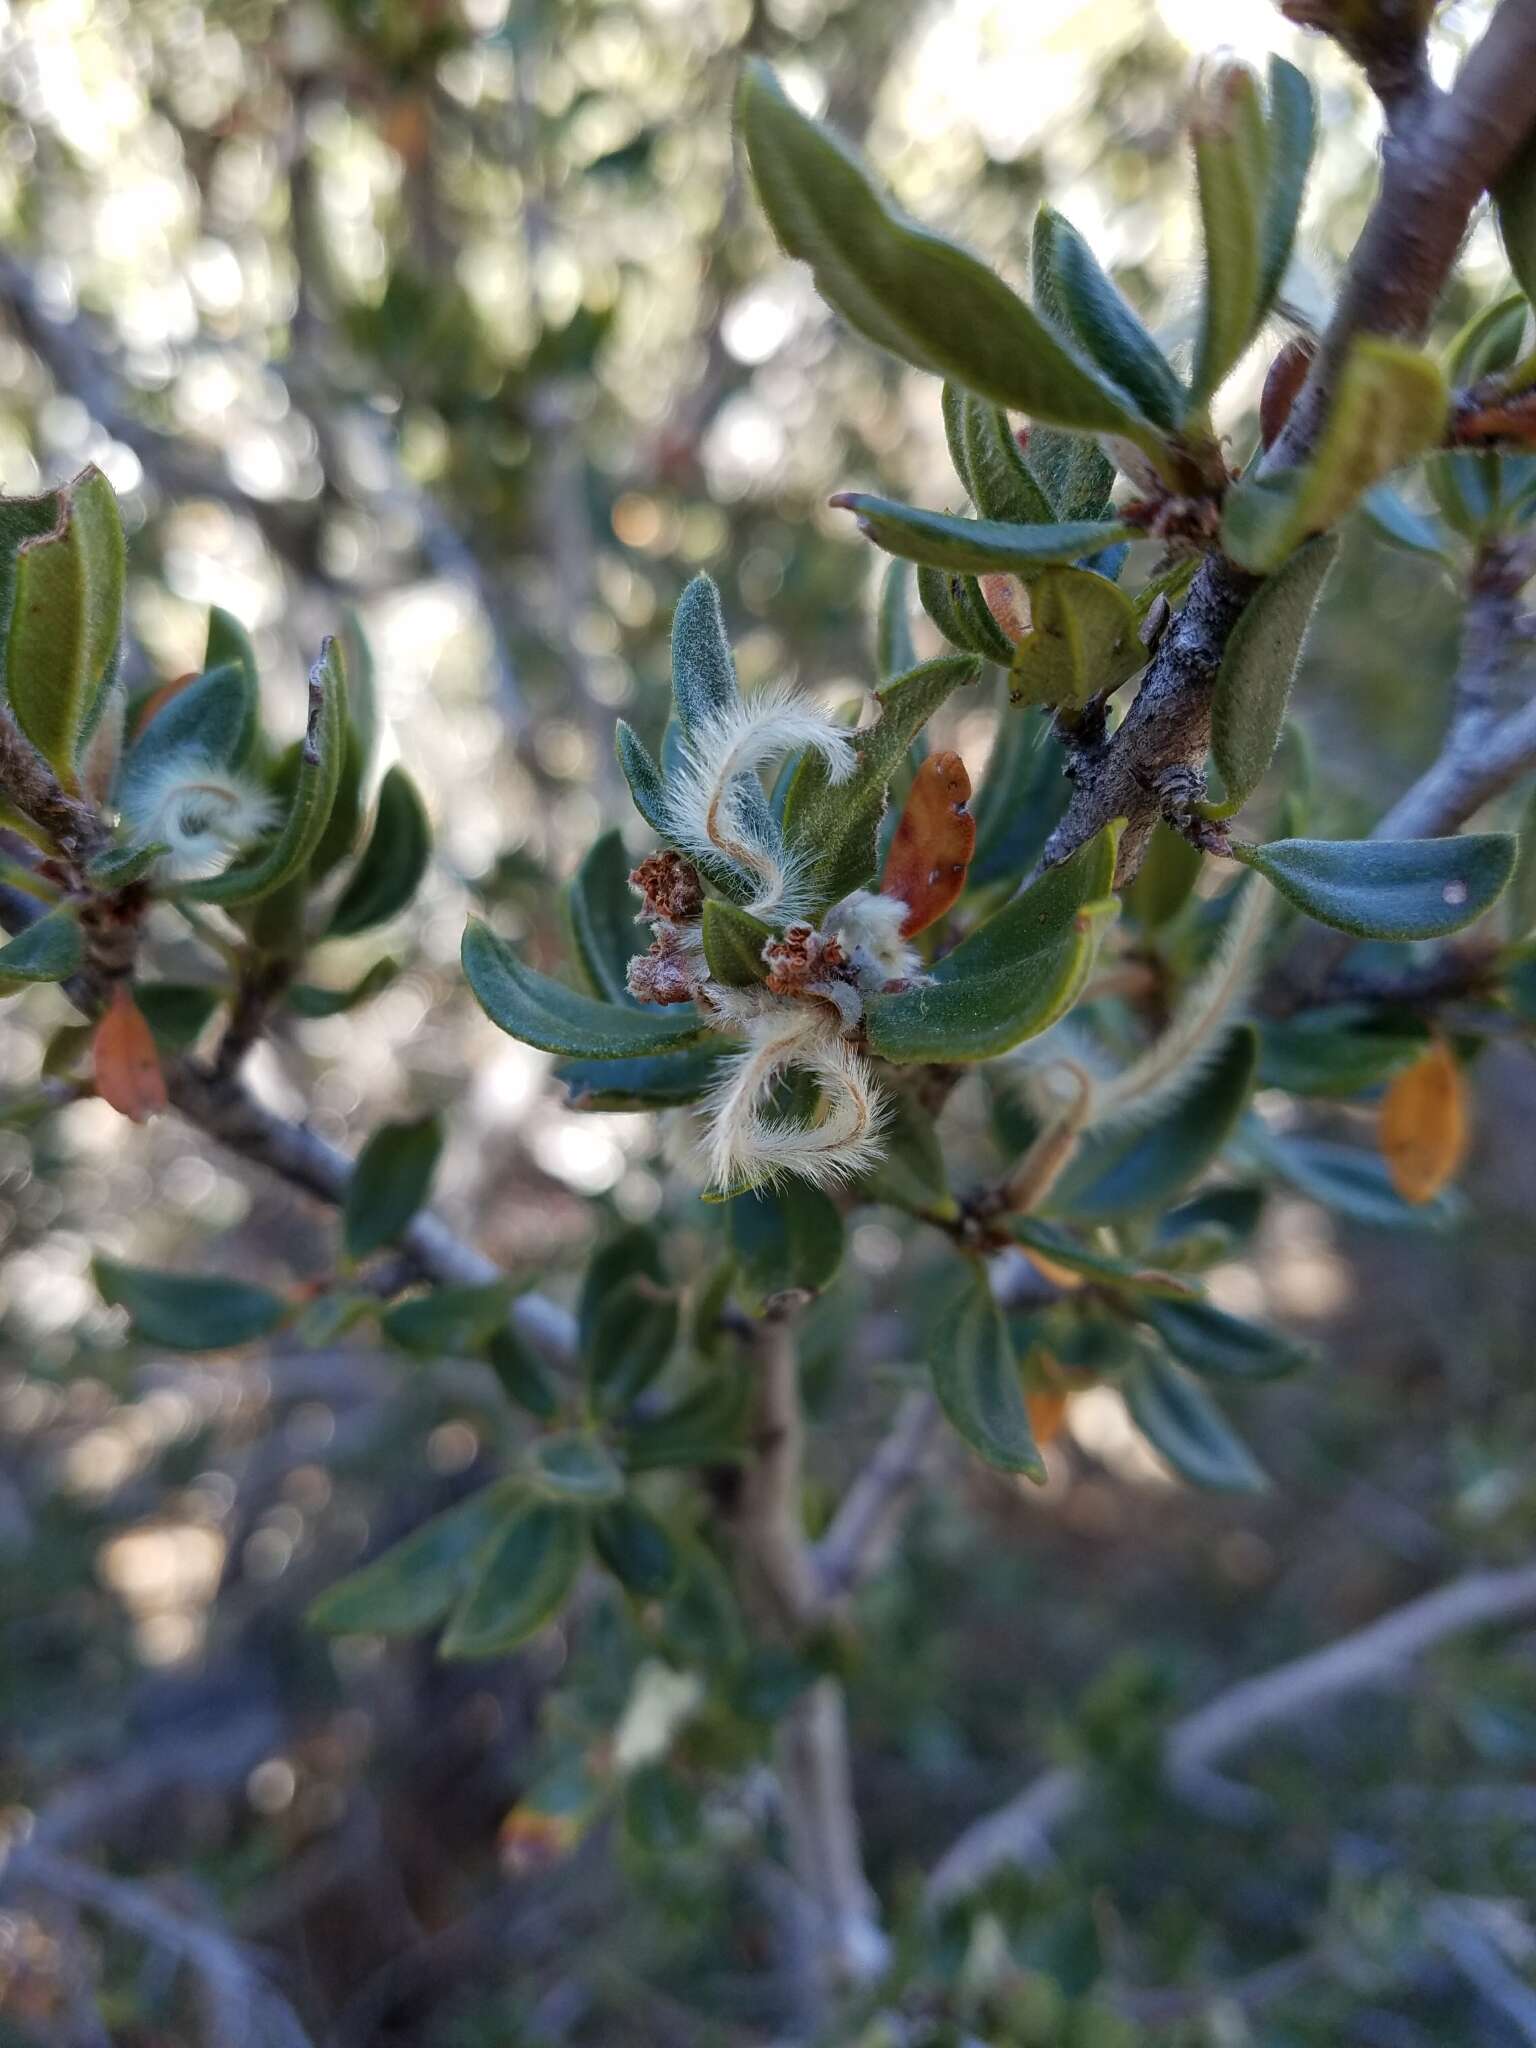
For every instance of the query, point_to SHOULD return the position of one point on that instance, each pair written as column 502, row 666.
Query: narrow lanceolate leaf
column 837, row 825
column 1355, row 1183
column 229, row 646
column 602, row 911
column 1016, row 973
column 704, row 682
column 666, row 1081
column 1181, row 1422
column 309, row 808
column 636, row 1548
column 1292, row 136
column 975, row 545
column 1424, row 1129
column 1081, row 639
column 66, row 620
column 1230, row 169
column 1223, row 1347
column 932, row 846
column 924, row 299
column 947, row 599
column 1253, row 686
column 790, row 1239
column 646, row 785
column 413, row 1585
column 520, row 1580
column 1389, row 888
column 448, row 1322
column 389, row 1184
column 530, row 1006
column 1165, row 879
column 1144, row 1170
column 176, row 1011
column 976, row 1375
column 211, row 719
column 894, row 651
column 389, row 872
column 733, row 944
column 188, row 1311
column 1389, row 406
column 124, row 1063
column 992, row 465
column 633, row 1335
column 1515, row 203
column 306, row 999
column 1105, row 325
column 49, row 950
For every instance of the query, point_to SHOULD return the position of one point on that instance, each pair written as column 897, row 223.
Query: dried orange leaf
column 1424, row 1125
column 932, row 846
column 127, row 1067
column 1047, row 1409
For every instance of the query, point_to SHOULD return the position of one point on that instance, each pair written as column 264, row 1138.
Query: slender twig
column 1433, row 176
column 1020, row 1831
column 860, row 1531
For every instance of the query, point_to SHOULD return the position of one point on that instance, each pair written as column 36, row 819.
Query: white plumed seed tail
column 745, row 1147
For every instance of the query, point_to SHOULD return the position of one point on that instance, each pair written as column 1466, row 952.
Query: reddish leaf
column 127, row 1066
column 933, row 844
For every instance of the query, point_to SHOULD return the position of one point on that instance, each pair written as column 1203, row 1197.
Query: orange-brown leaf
column 1047, row 1410
column 933, row 844
column 1424, row 1129
column 127, row 1066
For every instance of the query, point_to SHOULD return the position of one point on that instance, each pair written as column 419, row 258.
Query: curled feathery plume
column 202, row 813
column 746, row 1147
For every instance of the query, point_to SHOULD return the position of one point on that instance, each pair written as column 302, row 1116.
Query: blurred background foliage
column 457, row 317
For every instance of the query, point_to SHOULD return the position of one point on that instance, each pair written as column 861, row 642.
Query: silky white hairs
column 709, row 806
column 202, row 812
column 745, row 1147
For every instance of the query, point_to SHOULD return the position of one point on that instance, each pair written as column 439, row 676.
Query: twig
column 1432, row 178
column 1020, row 1831
column 861, row 1529
column 1455, row 1926
column 243, row 2010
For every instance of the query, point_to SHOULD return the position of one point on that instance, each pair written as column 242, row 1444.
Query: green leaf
column 894, row 651
column 188, row 1311
column 1208, row 1228
column 1230, row 169
column 636, row 1548
column 528, row 1005
column 945, row 597
column 49, row 950
column 1402, row 524
column 1016, row 973
column 837, row 824
column 120, row 865
column 704, row 684
column 1292, row 136
column 1143, row 1169
column 66, row 620
column 1515, row 204
column 1388, row 888
column 522, row 1373
column 628, row 1254
column 911, row 1174
column 392, row 864
column 665, row 1082
column 1389, row 406
column 1082, row 639
column 449, row 1322
column 212, row 719
column 976, row 1375
column 309, row 807
column 706, row 1427
column 991, row 463
column 633, row 1335
column 576, row 1466
column 176, row 1011
column 1023, row 793
column 1333, row 1051
column 1165, row 879
column 1253, row 685
column 975, row 546
column 228, row 646
column 1183, row 1424
column 1221, row 1346
column 784, row 1240
column 909, row 291
column 1357, row 1185
column 389, row 1184
column 1063, row 1250
column 646, row 785
column 1104, row 323
column 305, row 999
column 602, row 908
column 733, row 944
column 415, row 1582
column 521, row 1580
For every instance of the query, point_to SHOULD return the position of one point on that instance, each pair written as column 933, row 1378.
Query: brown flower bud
column 671, row 888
